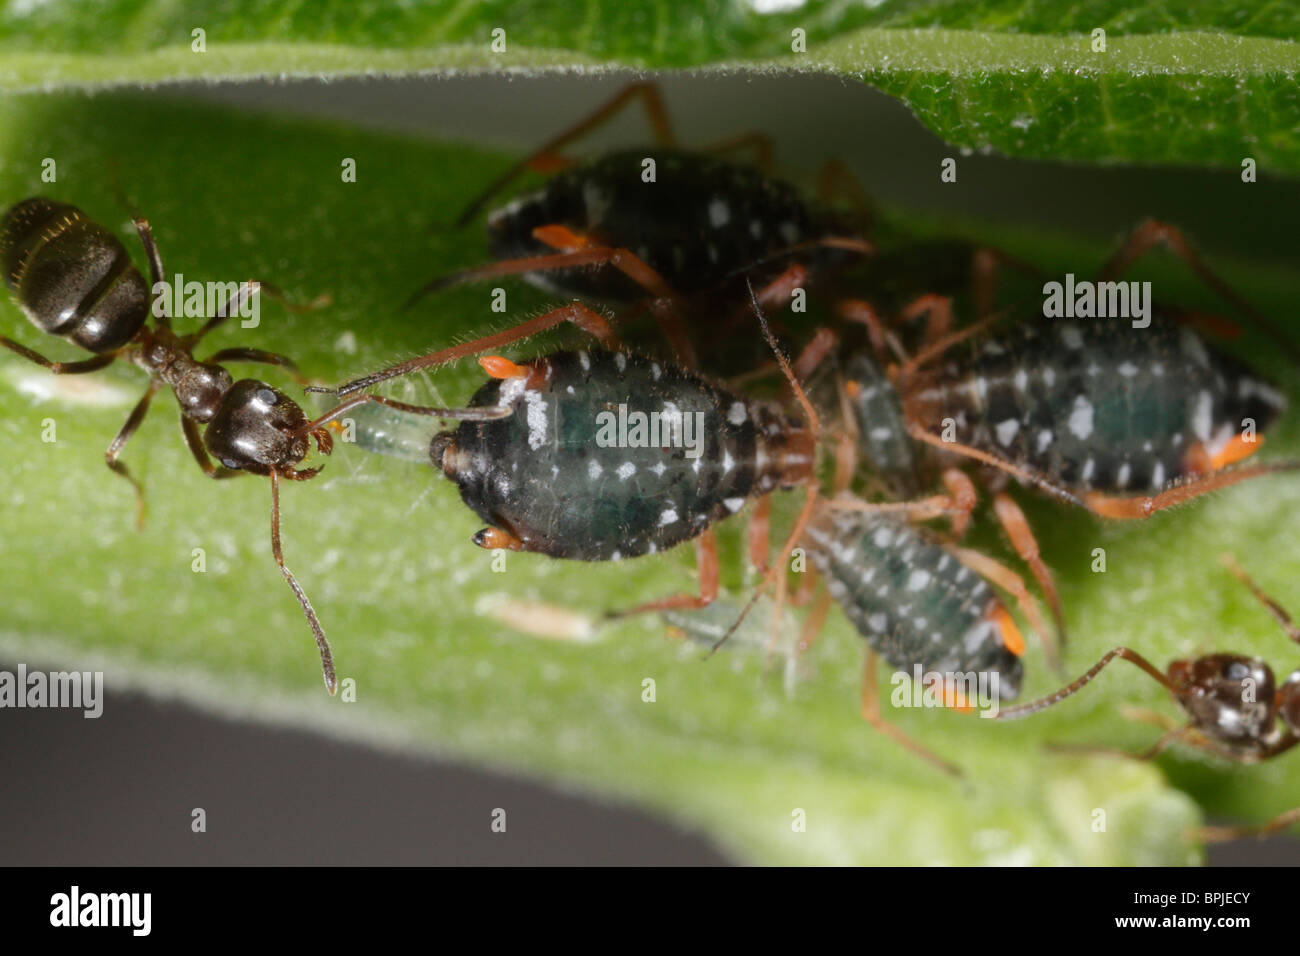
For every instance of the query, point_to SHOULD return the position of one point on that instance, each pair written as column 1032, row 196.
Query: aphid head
column 201, row 389
column 257, row 428
column 1228, row 696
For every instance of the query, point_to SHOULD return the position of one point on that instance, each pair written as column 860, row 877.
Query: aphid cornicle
column 1235, row 708
column 74, row 279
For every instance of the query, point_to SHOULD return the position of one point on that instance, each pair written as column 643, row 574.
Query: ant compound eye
column 1236, row 671
column 267, row 397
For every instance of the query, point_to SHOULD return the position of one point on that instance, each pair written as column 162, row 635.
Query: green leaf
column 1205, row 83
column 415, row 612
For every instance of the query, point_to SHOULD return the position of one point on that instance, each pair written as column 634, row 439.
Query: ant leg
column 1013, row 584
column 657, row 114
column 59, row 368
column 591, row 322
column 1022, row 539
column 1279, row 613
column 706, row 549
column 871, row 714
column 145, row 232
column 1223, row 834
column 235, row 304
column 259, row 356
column 119, row 441
column 941, row 345
column 326, row 658
column 190, row 429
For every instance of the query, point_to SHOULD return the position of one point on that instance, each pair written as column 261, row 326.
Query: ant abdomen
column 72, row 277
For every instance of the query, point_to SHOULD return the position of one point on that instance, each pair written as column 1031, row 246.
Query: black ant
column 1236, row 710
column 74, row 279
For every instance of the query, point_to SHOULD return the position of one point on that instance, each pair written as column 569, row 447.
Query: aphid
column 549, row 455
column 74, row 279
column 918, row 603
column 600, row 230
column 1120, row 420
column 1235, row 708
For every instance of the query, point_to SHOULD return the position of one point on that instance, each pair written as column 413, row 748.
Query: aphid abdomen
column 1097, row 404
column 72, row 277
column 700, row 221
column 611, row 455
column 913, row 601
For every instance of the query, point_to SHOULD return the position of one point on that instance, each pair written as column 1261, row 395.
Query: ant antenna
column 1024, row 710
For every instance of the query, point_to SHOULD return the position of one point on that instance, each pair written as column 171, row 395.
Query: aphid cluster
column 922, row 404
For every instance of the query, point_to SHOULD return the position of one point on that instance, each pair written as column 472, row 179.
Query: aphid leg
column 1223, row 834
column 484, row 413
column 835, row 180
column 591, row 322
column 821, row 347
column 1279, row 613
column 760, row 142
column 816, row 620
column 871, row 714
column 656, row 113
column 706, row 557
column 936, row 348
column 59, row 368
column 962, row 492
column 937, row 310
column 864, row 313
column 576, row 251
column 1108, row 506
column 986, row 263
column 1123, row 653
column 1150, row 233
column 326, row 658
column 1014, row 585
column 1022, row 539
column 760, row 526
column 119, row 441
column 993, row 461
column 194, row 442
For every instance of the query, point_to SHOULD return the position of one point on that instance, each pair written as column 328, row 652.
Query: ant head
column 257, row 429
column 201, row 389
column 1288, row 702
column 1228, row 696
